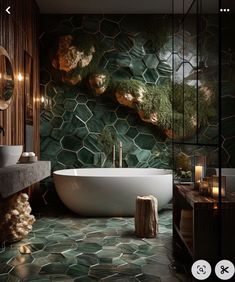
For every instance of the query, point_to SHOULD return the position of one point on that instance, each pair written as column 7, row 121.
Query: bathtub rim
column 58, row 172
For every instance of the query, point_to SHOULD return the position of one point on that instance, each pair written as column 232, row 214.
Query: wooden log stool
column 146, row 217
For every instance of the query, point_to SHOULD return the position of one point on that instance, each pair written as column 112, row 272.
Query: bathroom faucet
column 2, row 131
column 114, row 156
column 120, row 155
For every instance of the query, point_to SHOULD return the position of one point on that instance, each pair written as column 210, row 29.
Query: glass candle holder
column 214, row 186
column 204, row 188
column 199, row 165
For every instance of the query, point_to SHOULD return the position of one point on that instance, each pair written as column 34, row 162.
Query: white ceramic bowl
column 9, row 155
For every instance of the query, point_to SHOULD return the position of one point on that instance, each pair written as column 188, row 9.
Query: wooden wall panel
column 19, row 33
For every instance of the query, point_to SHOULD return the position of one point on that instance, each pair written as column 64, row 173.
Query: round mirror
column 6, row 80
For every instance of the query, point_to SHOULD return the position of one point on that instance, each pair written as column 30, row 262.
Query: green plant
column 107, row 139
column 186, row 108
column 132, row 86
column 157, row 100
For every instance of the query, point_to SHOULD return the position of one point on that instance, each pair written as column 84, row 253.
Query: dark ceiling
column 120, row 7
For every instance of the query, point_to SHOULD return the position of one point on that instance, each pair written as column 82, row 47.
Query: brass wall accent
column 18, row 33
column 6, row 80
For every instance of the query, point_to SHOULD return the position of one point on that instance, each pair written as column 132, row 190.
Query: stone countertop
column 20, row 176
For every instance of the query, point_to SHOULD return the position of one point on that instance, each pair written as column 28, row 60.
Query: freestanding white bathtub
column 111, row 191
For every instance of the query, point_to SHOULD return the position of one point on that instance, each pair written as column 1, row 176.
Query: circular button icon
column 201, row 269
column 224, row 269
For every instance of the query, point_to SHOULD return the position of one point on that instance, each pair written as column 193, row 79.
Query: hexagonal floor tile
column 89, row 247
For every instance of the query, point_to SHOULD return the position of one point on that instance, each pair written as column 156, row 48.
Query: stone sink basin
column 9, row 155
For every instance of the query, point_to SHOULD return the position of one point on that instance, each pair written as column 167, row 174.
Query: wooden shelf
column 187, row 246
column 213, row 229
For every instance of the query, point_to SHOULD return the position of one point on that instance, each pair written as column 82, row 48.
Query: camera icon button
column 201, row 269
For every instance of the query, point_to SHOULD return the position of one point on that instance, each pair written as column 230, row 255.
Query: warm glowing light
column 198, row 173
column 42, row 99
column 20, row 77
column 215, row 192
column 0, row 76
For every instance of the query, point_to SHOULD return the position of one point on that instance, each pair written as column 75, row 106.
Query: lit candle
column 214, row 183
column 198, row 173
column 215, row 192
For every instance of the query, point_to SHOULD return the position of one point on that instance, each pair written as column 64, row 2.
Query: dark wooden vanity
column 213, row 227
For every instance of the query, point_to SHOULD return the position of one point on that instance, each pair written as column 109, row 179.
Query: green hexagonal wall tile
column 45, row 129
column 123, row 42
column 122, row 73
column 137, row 66
column 150, row 76
column 91, row 142
column 109, row 28
column 58, row 99
column 72, row 143
column 82, row 99
column 67, row 116
column 132, row 132
column 67, row 157
column 95, row 125
column 109, row 117
column 77, row 115
column 51, row 89
column 82, row 132
column 121, row 126
column 143, row 155
column 58, row 110
column 86, row 156
column 57, row 122
column 145, row 141
column 91, row 23
column 83, row 112
column 70, row 105
column 57, row 134
column 131, row 160
column 51, row 147
column 151, row 61
column 123, row 59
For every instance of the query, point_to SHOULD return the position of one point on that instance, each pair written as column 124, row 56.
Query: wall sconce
column 46, row 103
column 214, row 186
column 20, row 77
column 199, row 169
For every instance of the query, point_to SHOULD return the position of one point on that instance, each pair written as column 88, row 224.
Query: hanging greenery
column 131, row 86
column 158, row 101
column 186, row 109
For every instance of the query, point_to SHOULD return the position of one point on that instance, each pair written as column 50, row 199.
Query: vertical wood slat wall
column 19, row 33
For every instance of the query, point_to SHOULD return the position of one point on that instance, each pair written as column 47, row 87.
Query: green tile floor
column 69, row 248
